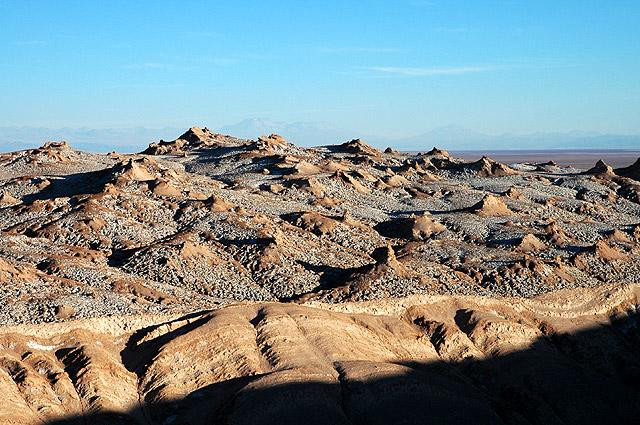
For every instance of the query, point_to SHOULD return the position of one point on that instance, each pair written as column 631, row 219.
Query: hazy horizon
column 452, row 137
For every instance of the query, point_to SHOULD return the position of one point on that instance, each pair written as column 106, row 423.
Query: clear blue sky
column 384, row 67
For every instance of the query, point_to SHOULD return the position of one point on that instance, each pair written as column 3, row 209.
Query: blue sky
column 393, row 68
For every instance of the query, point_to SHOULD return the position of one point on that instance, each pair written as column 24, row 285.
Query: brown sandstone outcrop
column 419, row 227
column 530, row 243
column 486, row 167
column 194, row 138
column 438, row 152
column 314, row 222
column 601, row 169
column 491, row 206
column 358, row 147
column 632, row 171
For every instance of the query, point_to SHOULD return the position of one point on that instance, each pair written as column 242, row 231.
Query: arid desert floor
column 212, row 279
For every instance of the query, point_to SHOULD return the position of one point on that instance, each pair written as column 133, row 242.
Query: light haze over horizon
column 388, row 69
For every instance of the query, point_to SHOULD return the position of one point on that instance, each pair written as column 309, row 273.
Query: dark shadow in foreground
column 590, row 377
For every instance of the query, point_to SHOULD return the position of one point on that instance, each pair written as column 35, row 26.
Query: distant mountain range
column 312, row 134
column 132, row 139
column 458, row 138
column 302, row 133
column 450, row 137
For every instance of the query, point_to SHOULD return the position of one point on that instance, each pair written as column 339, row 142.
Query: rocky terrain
column 564, row 358
column 209, row 278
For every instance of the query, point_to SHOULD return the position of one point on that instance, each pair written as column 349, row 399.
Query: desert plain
column 211, row 279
